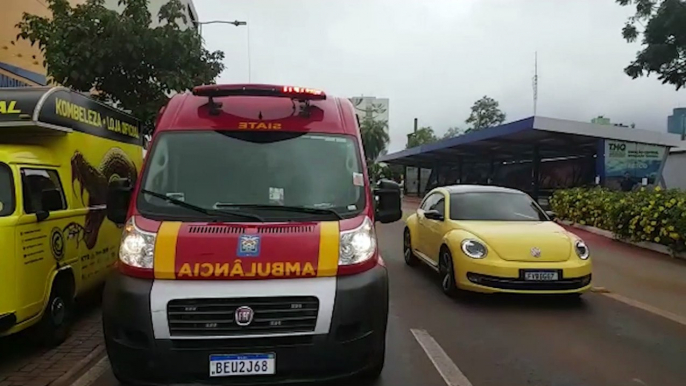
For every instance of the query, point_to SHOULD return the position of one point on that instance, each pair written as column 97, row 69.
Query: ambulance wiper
column 299, row 209
column 208, row 212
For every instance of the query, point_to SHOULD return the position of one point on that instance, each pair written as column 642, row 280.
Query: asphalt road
column 518, row 341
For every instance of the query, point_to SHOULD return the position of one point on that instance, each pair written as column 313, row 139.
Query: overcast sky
column 434, row 58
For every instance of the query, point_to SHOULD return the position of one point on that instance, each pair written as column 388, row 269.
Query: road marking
column 445, row 366
column 94, row 373
column 646, row 307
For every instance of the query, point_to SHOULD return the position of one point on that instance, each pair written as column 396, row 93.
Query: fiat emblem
column 535, row 252
column 244, row 315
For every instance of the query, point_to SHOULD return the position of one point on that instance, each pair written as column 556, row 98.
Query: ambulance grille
column 215, row 229
column 223, row 229
column 287, row 229
column 216, row 317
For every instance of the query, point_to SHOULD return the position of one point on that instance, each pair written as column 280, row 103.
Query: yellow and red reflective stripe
column 329, row 239
column 165, row 250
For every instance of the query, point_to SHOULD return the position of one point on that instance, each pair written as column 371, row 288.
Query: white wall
column 674, row 171
column 154, row 8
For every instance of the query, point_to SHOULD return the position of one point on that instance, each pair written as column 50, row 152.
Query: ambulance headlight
column 357, row 245
column 137, row 247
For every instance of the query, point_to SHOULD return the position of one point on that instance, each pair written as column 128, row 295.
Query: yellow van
column 58, row 151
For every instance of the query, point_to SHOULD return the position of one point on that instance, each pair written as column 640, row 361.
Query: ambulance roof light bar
column 227, row 90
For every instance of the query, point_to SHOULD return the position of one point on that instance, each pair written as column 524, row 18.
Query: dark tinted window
column 6, row 191
column 211, row 168
column 494, row 207
column 34, row 182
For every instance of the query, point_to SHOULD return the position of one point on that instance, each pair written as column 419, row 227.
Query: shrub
column 654, row 215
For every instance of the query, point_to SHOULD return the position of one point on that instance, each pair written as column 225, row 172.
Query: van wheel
column 410, row 258
column 58, row 315
column 447, row 271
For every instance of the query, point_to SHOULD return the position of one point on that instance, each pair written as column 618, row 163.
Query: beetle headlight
column 474, row 249
column 581, row 250
column 137, row 247
column 357, row 245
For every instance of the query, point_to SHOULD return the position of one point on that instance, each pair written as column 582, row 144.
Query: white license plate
column 242, row 364
column 540, row 276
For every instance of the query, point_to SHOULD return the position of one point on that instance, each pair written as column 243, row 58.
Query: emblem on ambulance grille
column 248, row 246
column 535, row 252
column 243, row 315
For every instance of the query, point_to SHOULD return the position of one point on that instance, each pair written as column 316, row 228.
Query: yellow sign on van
column 9, row 107
column 67, row 109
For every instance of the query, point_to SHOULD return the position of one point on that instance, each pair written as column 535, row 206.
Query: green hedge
column 653, row 215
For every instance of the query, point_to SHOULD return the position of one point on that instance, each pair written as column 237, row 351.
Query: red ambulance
column 249, row 252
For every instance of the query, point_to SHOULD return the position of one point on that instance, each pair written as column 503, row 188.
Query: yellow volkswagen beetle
column 492, row 239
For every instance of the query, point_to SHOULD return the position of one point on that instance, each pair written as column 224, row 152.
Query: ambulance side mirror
column 118, row 199
column 50, row 201
column 388, row 206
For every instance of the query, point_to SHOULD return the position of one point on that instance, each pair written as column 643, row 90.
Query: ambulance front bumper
column 353, row 343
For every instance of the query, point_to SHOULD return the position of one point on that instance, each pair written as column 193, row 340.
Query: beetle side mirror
column 118, row 199
column 388, row 206
column 551, row 214
column 433, row 215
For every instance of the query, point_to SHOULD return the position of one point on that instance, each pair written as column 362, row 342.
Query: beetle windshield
column 494, row 206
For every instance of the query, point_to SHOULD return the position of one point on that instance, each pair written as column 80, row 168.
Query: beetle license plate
column 242, row 364
column 540, row 276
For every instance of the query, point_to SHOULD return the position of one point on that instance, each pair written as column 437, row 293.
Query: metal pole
column 249, row 59
column 415, row 124
column 535, row 172
column 235, row 22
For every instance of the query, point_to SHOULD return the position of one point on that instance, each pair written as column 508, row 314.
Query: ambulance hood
column 211, row 251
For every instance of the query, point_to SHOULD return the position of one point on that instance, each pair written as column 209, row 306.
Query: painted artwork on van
column 95, row 180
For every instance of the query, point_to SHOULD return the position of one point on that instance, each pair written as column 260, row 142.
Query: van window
column 6, row 191
column 207, row 168
column 34, row 182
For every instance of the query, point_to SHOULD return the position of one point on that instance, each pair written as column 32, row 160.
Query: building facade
column 676, row 123
column 21, row 65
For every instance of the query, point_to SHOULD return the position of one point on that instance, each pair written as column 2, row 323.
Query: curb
column 89, row 360
column 659, row 248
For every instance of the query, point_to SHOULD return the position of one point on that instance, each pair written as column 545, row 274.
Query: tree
column 485, row 113
column 452, row 132
column 375, row 138
column 118, row 56
column 664, row 39
column 423, row 136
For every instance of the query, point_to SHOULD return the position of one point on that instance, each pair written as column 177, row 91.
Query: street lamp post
column 236, row 23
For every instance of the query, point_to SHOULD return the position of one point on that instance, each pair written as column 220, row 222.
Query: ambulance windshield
column 6, row 191
column 260, row 170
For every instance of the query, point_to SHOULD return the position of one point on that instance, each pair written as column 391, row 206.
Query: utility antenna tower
column 535, row 81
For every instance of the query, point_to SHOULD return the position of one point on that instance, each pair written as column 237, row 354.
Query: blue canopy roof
column 516, row 140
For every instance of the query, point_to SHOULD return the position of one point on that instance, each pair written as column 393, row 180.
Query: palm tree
column 374, row 138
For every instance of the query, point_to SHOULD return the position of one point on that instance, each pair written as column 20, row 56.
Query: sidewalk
column 647, row 276
column 24, row 364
